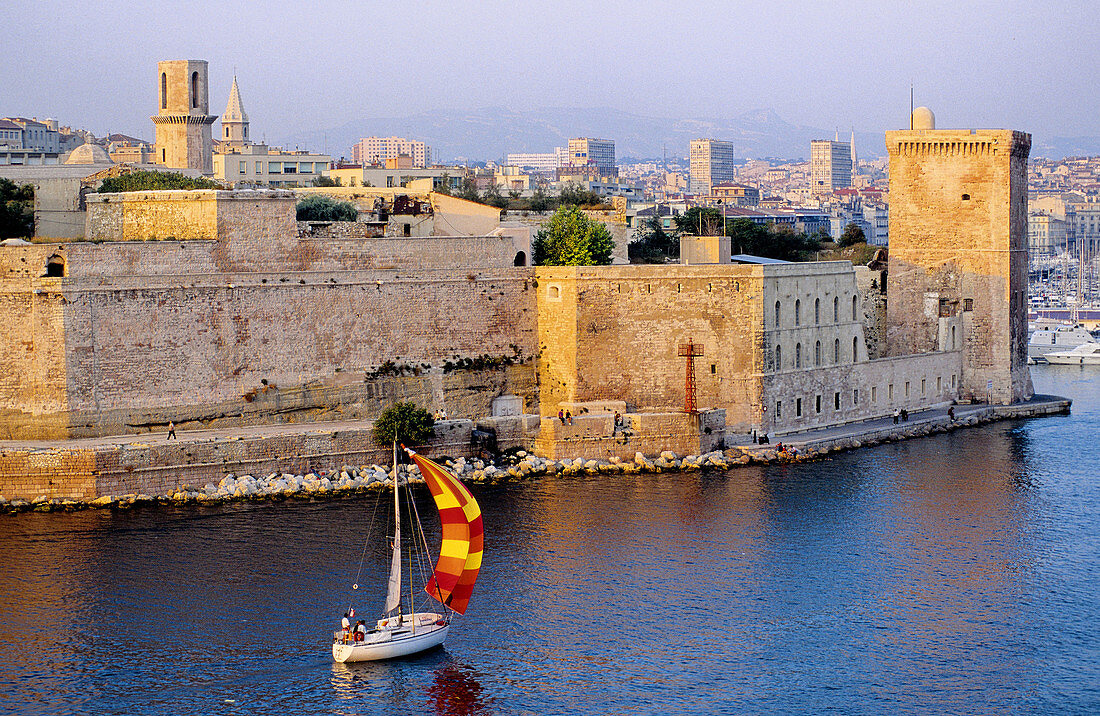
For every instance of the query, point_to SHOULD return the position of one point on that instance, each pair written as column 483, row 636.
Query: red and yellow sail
column 463, row 537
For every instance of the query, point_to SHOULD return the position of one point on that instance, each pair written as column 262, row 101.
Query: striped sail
column 463, row 538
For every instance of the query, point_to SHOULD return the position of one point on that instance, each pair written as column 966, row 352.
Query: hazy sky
column 1020, row 64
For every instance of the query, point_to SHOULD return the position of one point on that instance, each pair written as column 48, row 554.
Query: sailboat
column 396, row 633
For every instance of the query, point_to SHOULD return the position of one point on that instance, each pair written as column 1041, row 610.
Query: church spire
column 234, row 120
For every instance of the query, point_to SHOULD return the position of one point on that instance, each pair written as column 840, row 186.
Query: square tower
column 958, row 252
column 182, row 120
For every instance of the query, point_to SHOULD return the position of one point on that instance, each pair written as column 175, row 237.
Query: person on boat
column 360, row 631
column 345, row 624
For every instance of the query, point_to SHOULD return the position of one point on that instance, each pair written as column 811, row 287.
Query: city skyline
column 971, row 72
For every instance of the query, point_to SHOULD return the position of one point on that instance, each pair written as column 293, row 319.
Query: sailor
column 345, row 624
column 360, row 631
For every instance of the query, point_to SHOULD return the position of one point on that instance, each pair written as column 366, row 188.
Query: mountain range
column 490, row 133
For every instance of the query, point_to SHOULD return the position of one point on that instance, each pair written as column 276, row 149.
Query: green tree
column 574, row 195
column 493, row 197
column 700, row 221
column 16, row 210
column 145, row 180
column 404, row 422
column 540, row 201
column 326, row 181
column 651, row 244
column 442, row 184
column 852, row 235
column 318, row 207
column 469, row 190
column 572, row 239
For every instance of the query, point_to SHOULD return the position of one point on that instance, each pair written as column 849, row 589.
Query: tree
column 326, row 181
column 318, row 207
column 404, row 422
column 573, row 195
column 469, row 190
column 442, row 184
column 540, row 201
column 699, row 221
column 493, row 197
column 144, row 180
column 16, row 210
column 651, row 244
column 852, row 235
column 572, row 239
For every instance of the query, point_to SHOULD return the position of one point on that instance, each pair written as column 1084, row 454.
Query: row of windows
column 818, row 357
column 817, row 401
column 286, row 167
column 817, row 311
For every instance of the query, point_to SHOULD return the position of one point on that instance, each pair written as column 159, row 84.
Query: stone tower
column 234, row 120
column 182, row 119
column 958, row 252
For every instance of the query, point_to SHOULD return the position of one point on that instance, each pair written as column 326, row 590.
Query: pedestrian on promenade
column 904, row 415
column 561, row 416
column 568, row 417
column 951, row 413
column 171, row 431
column 897, row 414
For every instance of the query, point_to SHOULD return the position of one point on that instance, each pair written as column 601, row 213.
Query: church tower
column 182, row 120
column 958, row 252
column 234, row 120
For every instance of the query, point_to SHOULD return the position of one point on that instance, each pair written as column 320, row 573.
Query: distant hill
column 491, row 133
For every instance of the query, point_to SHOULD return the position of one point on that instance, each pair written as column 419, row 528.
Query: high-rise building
column 711, row 162
column 958, row 252
column 830, row 166
column 544, row 163
column 599, row 153
column 182, row 120
column 377, row 150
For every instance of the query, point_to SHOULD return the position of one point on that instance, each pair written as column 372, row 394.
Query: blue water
column 954, row 574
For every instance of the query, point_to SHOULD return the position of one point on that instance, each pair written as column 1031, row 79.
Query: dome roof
column 923, row 118
column 89, row 154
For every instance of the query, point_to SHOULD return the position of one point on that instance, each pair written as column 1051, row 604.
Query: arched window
column 227, row 132
column 798, row 312
column 194, row 90
column 817, row 311
column 855, row 349
column 836, row 309
column 779, row 357
column 797, row 355
column 520, row 259
column 817, row 353
column 854, row 308
column 55, row 266
column 777, row 314
column 163, row 90
column 836, row 351
column 952, row 338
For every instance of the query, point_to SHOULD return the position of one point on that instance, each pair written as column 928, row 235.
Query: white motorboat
column 397, row 633
column 1056, row 339
column 1084, row 354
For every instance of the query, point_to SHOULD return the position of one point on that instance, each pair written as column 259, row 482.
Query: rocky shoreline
column 510, row 466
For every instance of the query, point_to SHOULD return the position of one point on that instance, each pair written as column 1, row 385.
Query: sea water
column 952, row 574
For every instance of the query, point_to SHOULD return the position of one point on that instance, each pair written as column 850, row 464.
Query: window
column 194, row 90
column 922, row 386
column 855, row 349
column 777, row 314
column 797, row 355
column 968, row 304
column 163, row 156
column 906, row 389
column 259, row 167
column 798, row 312
column 227, row 132
column 855, row 307
column 817, row 353
column 779, row 357
column 874, row 394
column 952, row 381
column 966, row 197
column 890, row 392
column 952, row 338
column 163, row 90
column 836, row 350
column 274, row 168
column 939, row 384
column 778, row 409
column 836, row 309
column 243, row 167
column 798, row 408
column 817, row 311
column 713, row 369
column 817, row 403
column 855, row 396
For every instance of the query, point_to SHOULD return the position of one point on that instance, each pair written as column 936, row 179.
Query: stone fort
column 216, row 308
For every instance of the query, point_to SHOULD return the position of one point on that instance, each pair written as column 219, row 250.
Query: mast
column 393, row 591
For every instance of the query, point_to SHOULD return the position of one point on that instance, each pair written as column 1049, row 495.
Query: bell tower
column 235, row 120
column 182, row 120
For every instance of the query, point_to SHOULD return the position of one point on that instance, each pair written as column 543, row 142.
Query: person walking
column 171, row 431
column 897, row 414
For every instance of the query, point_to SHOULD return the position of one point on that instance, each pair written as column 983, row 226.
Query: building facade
column 600, row 153
column 958, row 251
column 542, row 163
column 377, row 150
column 830, row 166
column 710, row 162
column 183, row 121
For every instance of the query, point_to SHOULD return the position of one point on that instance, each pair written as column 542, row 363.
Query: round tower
column 182, row 120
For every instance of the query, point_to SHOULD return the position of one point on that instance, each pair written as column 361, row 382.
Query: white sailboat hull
column 390, row 642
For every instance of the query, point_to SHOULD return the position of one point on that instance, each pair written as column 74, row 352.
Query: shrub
column 145, row 180
column 404, row 422
column 319, row 207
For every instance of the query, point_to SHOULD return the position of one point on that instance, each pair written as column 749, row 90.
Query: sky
column 1017, row 64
